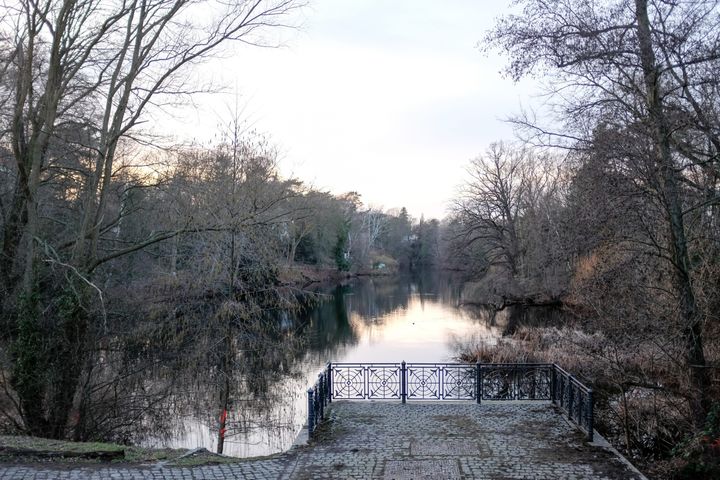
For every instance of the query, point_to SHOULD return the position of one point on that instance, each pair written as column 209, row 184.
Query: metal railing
column 319, row 396
column 452, row 381
column 575, row 399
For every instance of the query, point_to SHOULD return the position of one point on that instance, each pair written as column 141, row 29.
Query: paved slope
column 391, row 441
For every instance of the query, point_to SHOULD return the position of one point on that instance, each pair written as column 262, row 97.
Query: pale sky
column 387, row 98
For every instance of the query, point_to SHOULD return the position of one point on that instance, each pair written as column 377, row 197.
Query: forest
column 125, row 255
column 608, row 207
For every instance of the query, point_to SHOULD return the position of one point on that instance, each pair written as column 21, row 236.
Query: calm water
column 370, row 320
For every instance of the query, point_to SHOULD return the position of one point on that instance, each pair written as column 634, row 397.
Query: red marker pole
column 221, row 433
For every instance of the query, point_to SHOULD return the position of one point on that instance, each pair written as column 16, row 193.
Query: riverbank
column 26, row 450
column 314, row 277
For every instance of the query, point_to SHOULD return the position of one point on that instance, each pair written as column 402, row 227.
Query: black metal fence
column 452, row 381
column 319, row 396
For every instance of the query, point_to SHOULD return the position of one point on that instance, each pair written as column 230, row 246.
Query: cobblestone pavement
column 391, row 441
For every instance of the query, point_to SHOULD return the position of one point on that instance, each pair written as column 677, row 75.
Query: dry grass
column 565, row 347
column 639, row 384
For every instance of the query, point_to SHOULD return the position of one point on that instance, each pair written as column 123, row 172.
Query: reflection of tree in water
column 372, row 299
column 327, row 324
column 512, row 317
column 251, row 368
column 218, row 356
column 188, row 361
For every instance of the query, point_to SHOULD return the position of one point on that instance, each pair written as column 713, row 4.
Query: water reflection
column 385, row 319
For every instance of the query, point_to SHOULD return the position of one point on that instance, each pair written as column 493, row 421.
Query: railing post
column 403, row 382
column 478, row 381
column 321, row 396
column 311, row 412
column 580, row 409
column 329, row 382
column 553, row 383
column 325, row 387
column 571, row 397
column 590, row 416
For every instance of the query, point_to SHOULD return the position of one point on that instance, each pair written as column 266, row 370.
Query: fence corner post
column 478, row 381
column 403, row 381
column 310, row 413
column 329, row 382
column 591, row 416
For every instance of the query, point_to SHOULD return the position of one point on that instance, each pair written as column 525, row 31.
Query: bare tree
column 81, row 76
column 491, row 202
column 637, row 69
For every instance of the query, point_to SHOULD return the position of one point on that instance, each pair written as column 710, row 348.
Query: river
column 380, row 319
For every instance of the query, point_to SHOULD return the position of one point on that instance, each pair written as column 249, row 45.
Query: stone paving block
column 421, row 470
column 446, row 447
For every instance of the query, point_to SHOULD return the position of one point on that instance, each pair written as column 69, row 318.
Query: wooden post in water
column 221, row 431
column 227, row 357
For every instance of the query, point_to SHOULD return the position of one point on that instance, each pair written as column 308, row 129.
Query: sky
column 387, row 98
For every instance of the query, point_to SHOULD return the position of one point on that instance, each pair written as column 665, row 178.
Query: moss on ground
column 25, row 449
column 57, row 446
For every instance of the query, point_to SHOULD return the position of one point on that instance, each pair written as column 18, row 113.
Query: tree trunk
column 30, row 359
column 670, row 183
column 69, row 341
column 12, row 235
column 227, row 361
